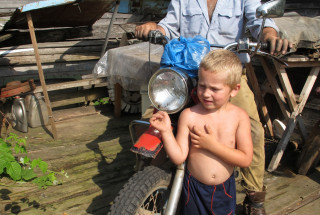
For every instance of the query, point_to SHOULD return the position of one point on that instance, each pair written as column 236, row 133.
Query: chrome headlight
column 169, row 90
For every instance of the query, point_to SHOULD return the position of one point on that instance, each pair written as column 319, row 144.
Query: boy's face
column 212, row 91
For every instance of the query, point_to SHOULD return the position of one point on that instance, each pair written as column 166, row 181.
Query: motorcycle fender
column 149, row 143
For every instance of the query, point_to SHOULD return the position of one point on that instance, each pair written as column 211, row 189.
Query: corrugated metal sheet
column 60, row 13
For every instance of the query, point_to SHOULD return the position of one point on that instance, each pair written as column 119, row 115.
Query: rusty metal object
column 16, row 88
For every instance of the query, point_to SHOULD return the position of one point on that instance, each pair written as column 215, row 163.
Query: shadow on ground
column 116, row 163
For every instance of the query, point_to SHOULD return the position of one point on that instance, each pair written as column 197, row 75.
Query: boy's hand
column 161, row 121
column 202, row 138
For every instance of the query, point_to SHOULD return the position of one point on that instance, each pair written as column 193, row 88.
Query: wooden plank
column 299, row 203
column 115, row 11
column 53, row 58
column 287, row 190
column 259, row 97
column 72, row 84
column 60, row 67
column 309, row 208
column 312, row 77
column 309, row 63
column 80, row 96
column 286, row 85
column 97, row 166
column 74, row 112
column 275, row 88
column 282, row 145
column 310, row 151
column 61, row 44
column 42, row 80
column 53, row 50
column 5, row 37
column 94, row 151
column 292, row 122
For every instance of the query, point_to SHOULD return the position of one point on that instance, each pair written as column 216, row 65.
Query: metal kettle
column 19, row 115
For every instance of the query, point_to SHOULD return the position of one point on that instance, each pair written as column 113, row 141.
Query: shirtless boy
column 213, row 136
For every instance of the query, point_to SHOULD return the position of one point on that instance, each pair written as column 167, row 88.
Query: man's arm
column 270, row 31
column 169, row 25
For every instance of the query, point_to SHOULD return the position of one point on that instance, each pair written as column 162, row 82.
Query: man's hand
column 277, row 45
column 142, row 31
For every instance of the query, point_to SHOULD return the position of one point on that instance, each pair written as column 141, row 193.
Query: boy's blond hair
column 224, row 62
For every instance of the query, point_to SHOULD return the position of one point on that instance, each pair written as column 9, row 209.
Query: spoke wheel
column 146, row 192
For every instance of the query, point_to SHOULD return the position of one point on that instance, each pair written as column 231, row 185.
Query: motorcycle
column 156, row 187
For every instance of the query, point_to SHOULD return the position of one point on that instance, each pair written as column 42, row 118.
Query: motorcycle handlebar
column 156, row 37
column 244, row 45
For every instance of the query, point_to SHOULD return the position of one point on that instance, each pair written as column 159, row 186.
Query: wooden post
column 41, row 76
column 103, row 51
column 259, row 97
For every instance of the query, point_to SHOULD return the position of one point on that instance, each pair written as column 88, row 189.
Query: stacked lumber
column 63, row 60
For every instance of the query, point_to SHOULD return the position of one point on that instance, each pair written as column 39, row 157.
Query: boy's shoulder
column 190, row 112
column 237, row 111
column 194, row 110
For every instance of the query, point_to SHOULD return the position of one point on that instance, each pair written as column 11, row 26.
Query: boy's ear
column 235, row 91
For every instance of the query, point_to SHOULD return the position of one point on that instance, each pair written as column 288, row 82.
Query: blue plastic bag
column 185, row 53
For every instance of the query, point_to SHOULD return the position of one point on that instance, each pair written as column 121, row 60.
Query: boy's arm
column 176, row 147
column 244, row 143
column 240, row 156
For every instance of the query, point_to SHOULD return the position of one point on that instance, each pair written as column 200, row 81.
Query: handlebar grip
column 266, row 46
column 156, row 37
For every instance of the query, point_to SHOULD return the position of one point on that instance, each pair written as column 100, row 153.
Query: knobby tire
column 149, row 184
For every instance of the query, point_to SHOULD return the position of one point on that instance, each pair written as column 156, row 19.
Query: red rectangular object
column 149, row 144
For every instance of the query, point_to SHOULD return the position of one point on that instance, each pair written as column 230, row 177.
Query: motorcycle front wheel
column 146, row 192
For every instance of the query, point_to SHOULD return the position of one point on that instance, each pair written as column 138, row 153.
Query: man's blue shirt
column 230, row 19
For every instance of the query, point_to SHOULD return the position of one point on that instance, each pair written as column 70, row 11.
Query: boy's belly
column 208, row 169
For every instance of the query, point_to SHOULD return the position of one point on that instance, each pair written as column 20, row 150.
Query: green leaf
column 3, row 164
column 48, row 183
column 23, row 149
column 43, row 166
column 18, row 170
column 7, row 156
column 42, row 181
column 28, row 174
column 51, row 176
column 22, row 141
column 4, row 148
column 26, row 160
column 14, row 170
column 17, row 149
column 35, row 163
column 13, row 136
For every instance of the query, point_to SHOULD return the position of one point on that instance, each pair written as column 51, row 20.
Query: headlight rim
column 186, row 81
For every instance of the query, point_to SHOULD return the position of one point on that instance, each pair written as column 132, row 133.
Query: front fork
column 175, row 190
